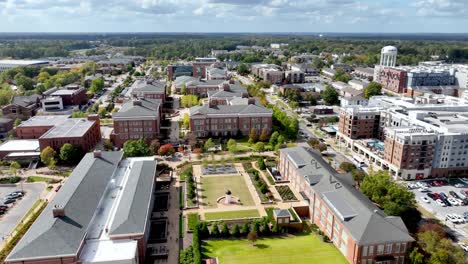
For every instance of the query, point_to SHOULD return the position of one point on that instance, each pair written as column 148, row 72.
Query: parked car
column 454, row 194
column 438, row 196
column 432, row 196
column 424, row 189
column 464, row 193
column 58, row 188
column 459, row 185
column 463, row 246
column 443, row 195
column 425, row 199
column 465, row 216
column 439, row 202
column 452, row 218
column 9, row 201
column 452, row 201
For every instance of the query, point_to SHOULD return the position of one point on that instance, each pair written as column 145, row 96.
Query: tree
column 48, row 156
column 243, row 69
column 358, row 176
column 347, row 166
column 6, row 93
column 186, row 121
column 209, row 144
column 321, row 147
column 225, row 230
column 136, row 148
column 259, row 147
column 183, row 89
column 372, row 89
column 261, row 164
column 25, row 83
column 439, row 250
column 79, row 114
column 235, row 231
column 108, row 145
column 189, row 100
column 14, row 167
column 96, row 85
column 341, row 76
column 416, row 257
column 166, row 150
column 232, row 145
column 203, row 230
column 256, row 227
column 273, row 138
column 245, row 229
column 253, row 137
column 330, row 95
column 252, row 237
column 17, row 122
column 102, row 112
column 69, row 153
column 264, row 135
column 214, row 232
column 281, row 140
column 154, row 146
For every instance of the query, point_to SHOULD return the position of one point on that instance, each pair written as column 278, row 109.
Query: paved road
column 19, row 209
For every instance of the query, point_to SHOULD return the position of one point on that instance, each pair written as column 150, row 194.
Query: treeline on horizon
column 363, row 48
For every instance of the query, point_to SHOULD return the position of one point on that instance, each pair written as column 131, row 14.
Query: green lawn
column 38, row 179
column 300, row 249
column 231, row 214
column 214, row 187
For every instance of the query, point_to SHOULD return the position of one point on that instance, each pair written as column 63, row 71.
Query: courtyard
column 280, row 250
column 214, row 187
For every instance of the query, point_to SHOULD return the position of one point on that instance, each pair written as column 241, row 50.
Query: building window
column 388, row 249
column 403, row 247
column 364, row 251
column 380, row 249
column 371, row 250
column 397, row 248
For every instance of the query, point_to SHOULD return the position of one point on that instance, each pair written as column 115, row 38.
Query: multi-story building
column 216, row 73
column 174, row 71
column 203, row 88
column 358, row 122
column 364, row 73
column 22, row 107
column 139, row 118
column 71, row 94
column 10, row 64
column 393, row 80
column 294, row 76
column 150, row 90
column 268, row 72
column 229, row 120
column 102, row 214
column 357, row 227
column 55, row 131
column 6, row 125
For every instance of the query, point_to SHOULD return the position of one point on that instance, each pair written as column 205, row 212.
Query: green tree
column 14, row 167
column 136, row 148
column 69, row 153
column 25, row 83
column 232, row 145
column 209, row 144
column 186, row 121
column 252, row 237
column 347, row 166
column 358, row 176
column 235, row 231
column 108, row 145
column 341, row 76
column 243, row 69
column 6, row 93
column 17, row 122
column 189, row 100
column 372, row 89
column 273, row 138
column 281, row 139
column 48, row 157
column 96, row 85
column 415, row 257
column 253, row 137
column 214, row 232
column 264, row 135
column 183, row 89
column 245, row 229
column 225, row 230
column 259, row 147
column 102, row 112
column 330, row 95
column 261, row 164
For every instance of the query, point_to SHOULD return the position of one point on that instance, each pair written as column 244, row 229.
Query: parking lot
column 17, row 210
column 440, row 212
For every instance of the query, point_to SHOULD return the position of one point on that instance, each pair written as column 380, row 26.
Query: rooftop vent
column 137, row 102
column 58, row 211
column 97, row 154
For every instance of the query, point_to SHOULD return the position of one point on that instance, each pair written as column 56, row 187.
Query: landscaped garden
column 283, row 250
column 260, row 185
column 231, row 215
column 214, row 187
column 286, row 193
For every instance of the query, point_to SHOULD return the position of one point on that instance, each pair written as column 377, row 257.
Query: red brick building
column 137, row 119
column 71, row 95
column 358, row 228
column 155, row 90
column 359, row 123
column 55, row 131
column 393, row 80
column 229, row 120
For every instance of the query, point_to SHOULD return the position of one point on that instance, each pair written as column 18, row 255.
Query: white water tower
column 388, row 56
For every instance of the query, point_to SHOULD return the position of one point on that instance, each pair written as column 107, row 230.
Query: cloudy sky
column 449, row 16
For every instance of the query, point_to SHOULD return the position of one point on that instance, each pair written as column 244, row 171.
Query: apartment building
column 216, row 73
column 176, row 70
column 357, row 122
column 22, row 107
column 393, row 80
column 229, row 120
column 203, row 88
column 294, row 76
column 57, row 130
column 102, row 214
column 268, row 72
column 149, row 90
column 138, row 118
column 358, row 228
column 72, row 94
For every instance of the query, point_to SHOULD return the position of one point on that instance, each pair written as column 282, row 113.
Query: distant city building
column 357, row 227
column 102, row 214
column 278, row 45
column 22, row 107
column 149, row 90
column 268, row 72
column 10, row 64
column 294, row 76
column 364, row 73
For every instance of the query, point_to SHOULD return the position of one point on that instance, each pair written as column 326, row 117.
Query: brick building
column 229, row 120
column 153, row 90
column 55, row 131
column 71, row 95
column 92, row 221
column 22, row 107
column 6, row 125
column 140, row 118
column 357, row 123
column 360, row 230
column 393, row 80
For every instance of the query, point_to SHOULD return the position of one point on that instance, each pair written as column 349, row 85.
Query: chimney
column 251, row 101
column 231, row 81
column 58, row 211
column 137, row 102
column 97, row 154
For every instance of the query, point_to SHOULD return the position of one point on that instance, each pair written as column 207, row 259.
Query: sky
column 386, row 16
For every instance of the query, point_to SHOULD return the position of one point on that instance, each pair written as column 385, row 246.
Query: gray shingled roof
column 282, row 213
column 229, row 109
column 25, row 101
column 366, row 223
column 181, row 80
column 132, row 212
column 155, row 87
column 148, row 108
column 79, row 196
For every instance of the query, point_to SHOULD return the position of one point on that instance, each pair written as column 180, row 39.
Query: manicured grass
column 38, row 179
column 231, row 214
column 298, row 250
column 214, row 187
column 192, row 221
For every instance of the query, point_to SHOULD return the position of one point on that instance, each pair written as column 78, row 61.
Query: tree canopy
column 136, row 148
column 372, row 89
column 330, row 95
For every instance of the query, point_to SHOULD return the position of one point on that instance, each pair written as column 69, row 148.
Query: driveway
column 9, row 220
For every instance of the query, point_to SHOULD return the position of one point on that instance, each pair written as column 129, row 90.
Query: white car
column 464, row 246
column 424, row 189
column 459, row 201
column 460, row 219
column 453, row 218
column 452, row 201
column 459, row 185
column 439, row 202
column 422, row 184
column 425, row 199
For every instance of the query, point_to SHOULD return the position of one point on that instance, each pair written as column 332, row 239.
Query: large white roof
column 21, row 145
column 389, row 50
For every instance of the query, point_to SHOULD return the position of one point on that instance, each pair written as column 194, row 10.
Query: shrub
column 235, row 231
column 214, row 232
column 261, row 164
column 225, row 230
